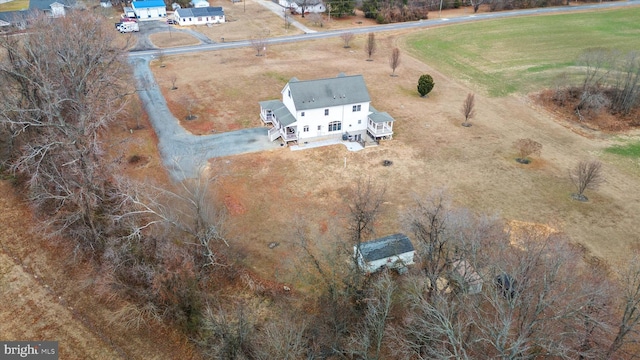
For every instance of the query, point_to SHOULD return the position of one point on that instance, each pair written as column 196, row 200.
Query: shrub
column 425, row 84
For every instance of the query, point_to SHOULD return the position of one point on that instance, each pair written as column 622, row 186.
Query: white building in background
column 199, row 16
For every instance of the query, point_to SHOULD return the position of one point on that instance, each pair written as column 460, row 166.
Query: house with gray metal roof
column 200, row 15
column 336, row 107
column 393, row 251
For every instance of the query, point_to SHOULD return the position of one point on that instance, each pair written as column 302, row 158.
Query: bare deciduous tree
column 597, row 64
column 526, row 148
column 59, row 93
column 628, row 322
column 627, row 84
column 586, row 175
column 364, row 201
column 283, row 339
column 316, row 19
column 190, row 212
column 427, row 222
column 304, row 4
column 161, row 56
column 346, row 39
column 228, row 335
column 367, row 342
column 332, row 272
column 476, row 4
column 394, row 60
column 551, row 305
column 370, row 46
column 259, row 44
column 468, row 109
column 173, row 79
column 189, row 103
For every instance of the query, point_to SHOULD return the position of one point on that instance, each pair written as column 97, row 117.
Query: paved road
column 183, row 153
column 390, row 27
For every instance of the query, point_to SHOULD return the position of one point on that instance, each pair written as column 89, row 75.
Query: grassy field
column 631, row 150
column 14, row 5
column 519, row 55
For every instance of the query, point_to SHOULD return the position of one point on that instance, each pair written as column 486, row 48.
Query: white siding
column 390, row 262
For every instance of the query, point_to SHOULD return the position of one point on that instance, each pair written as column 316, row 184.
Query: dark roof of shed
column 385, row 247
column 323, row 93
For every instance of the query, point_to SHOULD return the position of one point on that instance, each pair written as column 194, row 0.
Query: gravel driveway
column 182, row 152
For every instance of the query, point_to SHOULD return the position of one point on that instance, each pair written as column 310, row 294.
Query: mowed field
column 269, row 194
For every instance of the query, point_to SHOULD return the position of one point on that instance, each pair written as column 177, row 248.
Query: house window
column 335, row 126
column 326, row 112
column 302, row 113
column 359, row 121
column 357, row 108
column 289, row 93
column 319, row 127
column 305, row 128
column 199, row 19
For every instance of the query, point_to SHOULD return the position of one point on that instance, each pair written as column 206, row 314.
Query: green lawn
column 628, row 150
column 526, row 53
column 14, row 5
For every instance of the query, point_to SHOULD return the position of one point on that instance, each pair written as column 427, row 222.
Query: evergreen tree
column 340, row 8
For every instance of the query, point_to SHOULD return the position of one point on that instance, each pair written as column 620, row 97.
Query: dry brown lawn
column 430, row 151
column 268, row 194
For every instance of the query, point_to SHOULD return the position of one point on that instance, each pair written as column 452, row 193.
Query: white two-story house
column 324, row 108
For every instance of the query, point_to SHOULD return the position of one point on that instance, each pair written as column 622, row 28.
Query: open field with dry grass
column 430, row 150
column 268, row 194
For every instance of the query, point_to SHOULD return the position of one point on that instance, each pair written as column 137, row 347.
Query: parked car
column 171, row 22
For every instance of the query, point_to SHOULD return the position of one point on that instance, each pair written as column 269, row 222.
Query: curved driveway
column 183, row 153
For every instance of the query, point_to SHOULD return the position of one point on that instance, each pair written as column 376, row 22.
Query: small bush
column 425, row 84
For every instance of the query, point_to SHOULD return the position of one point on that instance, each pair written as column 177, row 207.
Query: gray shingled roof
column 385, row 247
column 201, row 12
column 380, row 117
column 281, row 112
column 323, row 93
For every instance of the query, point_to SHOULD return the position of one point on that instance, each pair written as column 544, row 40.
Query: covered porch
column 380, row 125
column 273, row 112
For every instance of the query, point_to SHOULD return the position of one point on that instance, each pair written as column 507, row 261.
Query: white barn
column 393, row 251
column 199, row 16
column 325, row 108
column 149, row 9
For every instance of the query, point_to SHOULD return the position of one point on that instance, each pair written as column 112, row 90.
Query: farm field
column 523, row 54
column 14, row 5
column 269, row 194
